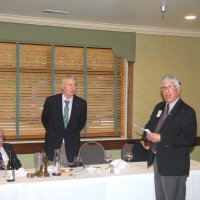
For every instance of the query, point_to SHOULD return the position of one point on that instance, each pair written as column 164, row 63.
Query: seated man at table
column 5, row 148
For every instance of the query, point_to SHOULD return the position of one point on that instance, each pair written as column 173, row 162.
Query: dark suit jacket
column 16, row 162
column 178, row 133
column 52, row 119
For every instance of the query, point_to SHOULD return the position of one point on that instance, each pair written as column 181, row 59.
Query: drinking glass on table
column 77, row 161
column 108, row 158
column 129, row 156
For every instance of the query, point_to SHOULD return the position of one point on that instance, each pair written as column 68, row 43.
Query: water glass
column 129, row 156
column 77, row 161
column 108, row 158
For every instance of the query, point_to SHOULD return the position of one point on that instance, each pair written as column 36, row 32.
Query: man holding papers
column 173, row 130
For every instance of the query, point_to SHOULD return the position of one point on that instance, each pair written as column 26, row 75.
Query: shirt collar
column 171, row 105
column 64, row 98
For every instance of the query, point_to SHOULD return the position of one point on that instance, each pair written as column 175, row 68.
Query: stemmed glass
column 108, row 159
column 129, row 156
column 78, row 161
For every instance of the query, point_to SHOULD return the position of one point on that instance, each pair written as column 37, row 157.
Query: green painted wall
column 122, row 43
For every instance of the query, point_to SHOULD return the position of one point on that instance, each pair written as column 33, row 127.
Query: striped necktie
column 66, row 113
column 162, row 118
column 159, row 124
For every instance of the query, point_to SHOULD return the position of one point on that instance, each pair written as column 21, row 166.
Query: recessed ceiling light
column 190, row 17
column 55, row 12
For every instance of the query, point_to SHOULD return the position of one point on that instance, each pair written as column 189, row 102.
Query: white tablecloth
column 133, row 182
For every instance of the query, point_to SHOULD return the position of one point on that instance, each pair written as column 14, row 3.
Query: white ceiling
column 129, row 15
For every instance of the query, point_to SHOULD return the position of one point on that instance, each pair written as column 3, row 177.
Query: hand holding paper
column 143, row 129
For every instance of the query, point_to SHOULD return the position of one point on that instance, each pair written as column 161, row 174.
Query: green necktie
column 66, row 111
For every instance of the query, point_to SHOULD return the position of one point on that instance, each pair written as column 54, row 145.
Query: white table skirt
column 134, row 182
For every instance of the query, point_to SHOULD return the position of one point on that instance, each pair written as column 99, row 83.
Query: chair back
column 92, row 153
column 140, row 154
column 127, row 147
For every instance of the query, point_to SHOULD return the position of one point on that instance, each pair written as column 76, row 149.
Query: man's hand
column 153, row 137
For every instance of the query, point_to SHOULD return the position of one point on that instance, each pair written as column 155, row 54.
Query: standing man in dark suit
column 52, row 118
column 5, row 148
column 171, row 141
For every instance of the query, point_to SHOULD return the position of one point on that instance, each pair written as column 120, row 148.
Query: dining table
column 94, row 182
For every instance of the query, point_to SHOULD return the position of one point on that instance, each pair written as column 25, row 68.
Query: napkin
column 91, row 169
column 21, row 172
column 119, row 163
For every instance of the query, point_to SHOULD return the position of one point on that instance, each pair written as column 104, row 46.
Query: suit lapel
column 176, row 108
column 59, row 109
column 172, row 114
column 73, row 111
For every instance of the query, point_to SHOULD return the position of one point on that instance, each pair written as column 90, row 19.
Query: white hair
column 68, row 77
column 171, row 78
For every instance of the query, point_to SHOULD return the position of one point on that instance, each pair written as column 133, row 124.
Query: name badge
column 159, row 113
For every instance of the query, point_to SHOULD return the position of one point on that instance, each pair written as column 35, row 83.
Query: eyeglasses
column 171, row 87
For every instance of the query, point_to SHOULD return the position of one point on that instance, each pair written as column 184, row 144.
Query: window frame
column 127, row 120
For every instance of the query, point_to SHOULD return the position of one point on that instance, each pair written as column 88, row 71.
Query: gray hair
column 171, row 78
column 68, row 77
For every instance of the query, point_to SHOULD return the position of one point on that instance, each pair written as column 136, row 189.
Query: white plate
column 91, row 169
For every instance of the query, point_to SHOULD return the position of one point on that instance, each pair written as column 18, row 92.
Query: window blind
column 34, row 87
column 30, row 73
column 8, row 88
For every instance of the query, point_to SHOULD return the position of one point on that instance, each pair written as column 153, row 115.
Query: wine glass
column 78, row 161
column 129, row 156
column 108, row 158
